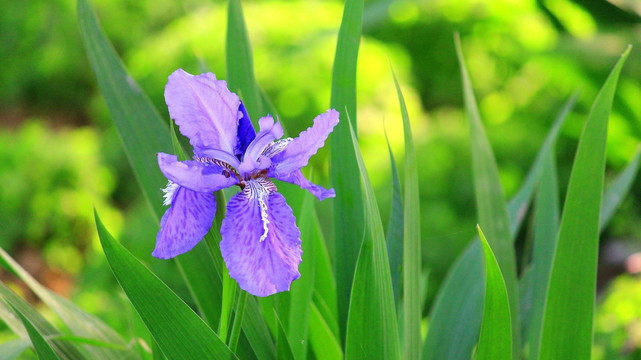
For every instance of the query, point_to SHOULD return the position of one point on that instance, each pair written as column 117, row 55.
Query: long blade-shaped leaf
column 455, row 318
column 568, row 319
column 490, row 203
column 411, row 243
column 615, row 192
column 546, row 225
column 394, row 236
column 324, row 343
column 179, row 332
column 240, row 66
column 143, row 133
column 41, row 346
column 495, row 340
column 348, row 207
column 10, row 350
column 14, row 305
column 372, row 330
column 77, row 320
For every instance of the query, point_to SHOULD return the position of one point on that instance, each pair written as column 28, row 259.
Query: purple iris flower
column 260, row 240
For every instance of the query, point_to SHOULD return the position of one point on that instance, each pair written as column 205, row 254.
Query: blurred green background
column 59, row 154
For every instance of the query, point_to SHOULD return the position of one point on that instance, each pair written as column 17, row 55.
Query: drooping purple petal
column 261, row 243
column 299, row 150
column 246, row 132
column 297, row 177
column 185, row 223
column 269, row 131
column 204, row 109
column 194, row 175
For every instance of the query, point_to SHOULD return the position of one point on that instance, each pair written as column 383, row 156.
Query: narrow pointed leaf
column 394, row 236
column 546, row 225
column 40, row 345
column 240, row 65
column 348, row 207
column 615, row 191
column 455, row 317
column 411, row 243
column 77, row 320
column 569, row 310
column 495, row 341
column 490, row 203
column 324, row 342
column 179, row 332
column 372, row 329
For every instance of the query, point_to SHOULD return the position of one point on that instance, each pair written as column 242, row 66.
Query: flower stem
column 238, row 321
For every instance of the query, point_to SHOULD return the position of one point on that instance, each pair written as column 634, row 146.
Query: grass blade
column 179, row 332
column 568, row 319
column 492, row 210
column 615, row 192
column 324, row 342
column 394, row 236
column 240, row 64
column 456, row 313
column 348, row 207
column 495, row 341
column 372, row 330
column 40, row 345
column 411, row 243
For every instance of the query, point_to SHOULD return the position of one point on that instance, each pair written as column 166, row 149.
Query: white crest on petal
column 276, row 147
column 170, row 192
column 261, row 188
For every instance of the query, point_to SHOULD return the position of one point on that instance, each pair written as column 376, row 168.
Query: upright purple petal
column 195, row 175
column 269, row 131
column 204, row 109
column 246, row 132
column 299, row 150
column 185, row 223
column 297, row 177
column 261, row 243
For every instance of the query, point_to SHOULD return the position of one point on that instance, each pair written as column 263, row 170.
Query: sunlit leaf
column 372, row 329
column 42, row 348
column 394, row 237
column 569, row 308
column 10, row 350
column 348, row 207
column 324, row 342
column 495, row 340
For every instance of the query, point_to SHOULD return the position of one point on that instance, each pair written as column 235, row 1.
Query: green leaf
column 179, row 332
column 77, row 320
column 40, row 344
column 324, row 342
column 348, row 207
column 394, row 236
column 15, row 306
column 490, row 203
column 144, row 133
column 240, row 65
column 10, row 350
column 615, row 192
column 455, row 317
column 302, row 290
column 568, row 319
column 546, row 225
column 495, row 341
column 411, row 243
column 372, row 330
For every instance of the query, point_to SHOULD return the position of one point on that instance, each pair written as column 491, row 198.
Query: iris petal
column 185, row 223
column 194, row 175
column 204, row 109
column 261, row 243
column 297, row 153
column 297, row 177
column 269, row 131
column 246, row 132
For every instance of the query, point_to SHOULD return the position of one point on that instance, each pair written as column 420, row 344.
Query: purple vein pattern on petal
column 185, row 223
column 297, row 177
column 299, row 150
column 204, row 109
column 194, row 175
column 264, row 267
